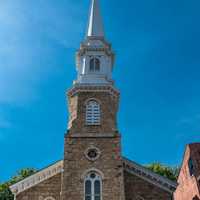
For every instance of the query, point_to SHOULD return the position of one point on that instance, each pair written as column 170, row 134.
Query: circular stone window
column 92, row 153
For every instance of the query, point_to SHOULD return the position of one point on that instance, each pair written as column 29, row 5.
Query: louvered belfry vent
column 93, row 113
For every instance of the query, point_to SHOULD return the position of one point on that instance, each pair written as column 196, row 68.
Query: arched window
column 139, row 198
column 93, row 186
column 93, row 113
column 94, row 65
column 49, row 198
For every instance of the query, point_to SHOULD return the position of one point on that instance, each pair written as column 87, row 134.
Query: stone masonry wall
column 77, row 107
column 76, row 165
column 139, row 189
column 104, row 137
column 48, row 188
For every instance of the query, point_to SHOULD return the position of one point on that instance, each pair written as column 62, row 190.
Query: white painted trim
column 49, row 198
column 93, row 88
column 92, row 113
column 37, row 178
column 99, row 178
column 138, row 197
column 92, row 135
column 149, row 176
column 92, row 170
column 92, row 99
column 88, row 149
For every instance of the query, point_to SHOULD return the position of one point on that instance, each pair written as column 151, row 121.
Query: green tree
column 5, row 193
column 166, row 171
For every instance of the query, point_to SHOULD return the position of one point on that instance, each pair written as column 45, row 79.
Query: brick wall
column 189, row 185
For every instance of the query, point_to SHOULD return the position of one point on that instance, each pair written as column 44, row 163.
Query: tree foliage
column 166, row 171
column 5, row 193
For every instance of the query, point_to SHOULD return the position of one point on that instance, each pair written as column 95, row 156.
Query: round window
column 92, row 153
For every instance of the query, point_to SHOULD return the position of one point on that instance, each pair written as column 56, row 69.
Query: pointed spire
column 95, row 26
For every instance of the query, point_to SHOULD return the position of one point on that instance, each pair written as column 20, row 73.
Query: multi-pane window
column 93, row 186
column 94, row 65
column 93, row 113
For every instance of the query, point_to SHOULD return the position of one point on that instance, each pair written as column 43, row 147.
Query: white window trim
column 94, row 65
column 99, row 178
column 93, row 113
column 90, row 148
column 49, row 198
column 139, row 198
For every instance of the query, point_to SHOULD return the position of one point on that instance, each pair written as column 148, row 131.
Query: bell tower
column 92, row 154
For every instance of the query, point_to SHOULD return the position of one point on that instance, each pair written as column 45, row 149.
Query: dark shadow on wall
column 195, row 198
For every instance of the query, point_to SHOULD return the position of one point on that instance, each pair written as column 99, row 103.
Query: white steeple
column 95, row 57
column 95, row 25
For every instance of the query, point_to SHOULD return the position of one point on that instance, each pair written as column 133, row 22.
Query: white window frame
column 94, row 65
column 92, row 180
column 49, row 198
column 139, row 198
column 93, row 113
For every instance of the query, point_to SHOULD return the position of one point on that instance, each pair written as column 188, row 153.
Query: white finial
column 95, row 26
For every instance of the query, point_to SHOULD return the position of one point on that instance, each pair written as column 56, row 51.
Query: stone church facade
column 93, row 167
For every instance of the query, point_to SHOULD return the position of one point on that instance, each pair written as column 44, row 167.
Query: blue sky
column 157, row 71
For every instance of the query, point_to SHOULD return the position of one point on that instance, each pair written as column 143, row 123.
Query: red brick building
column 189, row 178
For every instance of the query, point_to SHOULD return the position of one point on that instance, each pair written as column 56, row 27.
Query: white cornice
column 37, row 178
column 93, row 88
column 149, row 176
column 92, row 135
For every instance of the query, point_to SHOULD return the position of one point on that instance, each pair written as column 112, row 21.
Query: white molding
column 99, row 178
column 93, row 88
column 138, row 197
column 92, row 135
column 49, row 198
column 92, row 99
column 93, row 113
column 86, row 172
column 90, row 148
column 37, row 178
column 149, row 176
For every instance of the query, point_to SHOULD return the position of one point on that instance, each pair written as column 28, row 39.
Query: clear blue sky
column 157, row 71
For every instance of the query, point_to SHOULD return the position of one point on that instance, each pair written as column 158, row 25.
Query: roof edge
column 37, row 178
column 149, row 175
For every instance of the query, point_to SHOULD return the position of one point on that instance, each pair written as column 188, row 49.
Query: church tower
column 93, row 168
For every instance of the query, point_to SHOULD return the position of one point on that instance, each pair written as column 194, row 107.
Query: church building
column 93, row 167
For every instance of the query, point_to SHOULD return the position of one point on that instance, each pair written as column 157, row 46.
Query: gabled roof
column 129, row 166
column 37, row 178
column 148, row 175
